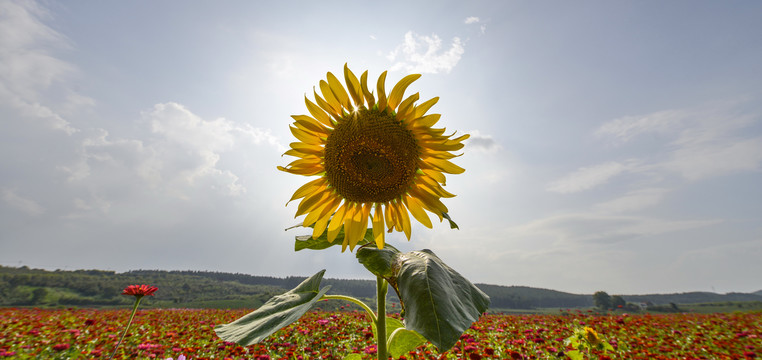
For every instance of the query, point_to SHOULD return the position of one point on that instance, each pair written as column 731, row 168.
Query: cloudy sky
column 615, row 146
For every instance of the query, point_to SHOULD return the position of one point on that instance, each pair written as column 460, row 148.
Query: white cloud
column 471, row 20
column 28, row 71
column 476, row 20
column 716, row 158
column 588, row 177
column 184, row 155
column 16, row 201
column 698, row 143
column 479, row 142
column 622, row 130
column 632, row 201
column 585, row 227
column 424, row 54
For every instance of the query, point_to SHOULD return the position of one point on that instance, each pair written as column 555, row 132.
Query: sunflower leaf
column 275, row 314
column 403, row 341
column 307, row 242
column 437, row 302
column 379, row 261
column 453, row 225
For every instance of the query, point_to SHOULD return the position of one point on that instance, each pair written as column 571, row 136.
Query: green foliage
column 276, row 313
column 584, row 341
column 438, row 303
column 602, row 300
column 207, row 289
column 617, row 301
column 401, row 340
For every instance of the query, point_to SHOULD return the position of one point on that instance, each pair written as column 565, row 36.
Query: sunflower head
column 591, row 336
column 377, row 157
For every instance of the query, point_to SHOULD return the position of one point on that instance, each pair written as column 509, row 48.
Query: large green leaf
column 438, row 303
column 379, row 261
column 307, row 242
column 403, row 341
column 275, row 314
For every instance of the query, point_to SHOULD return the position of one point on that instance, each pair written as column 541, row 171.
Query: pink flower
column 139, row 290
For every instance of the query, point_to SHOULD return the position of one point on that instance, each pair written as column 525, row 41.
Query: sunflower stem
column 381, row 289
column 134, row 310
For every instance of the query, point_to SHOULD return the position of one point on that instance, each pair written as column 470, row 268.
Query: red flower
column 139, row 290
column 61, row 347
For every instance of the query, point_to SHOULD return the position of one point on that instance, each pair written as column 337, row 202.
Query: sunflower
column 377, row 157
column 592, row 336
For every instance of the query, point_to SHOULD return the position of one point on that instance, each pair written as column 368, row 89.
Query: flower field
column 163, row 334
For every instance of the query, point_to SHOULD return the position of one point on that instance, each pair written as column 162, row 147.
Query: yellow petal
column 339, row 91
column 297, row 153
column 302, row 171
column 398, row 91
column 338, row 219
column 305, row 136
column 307, row 123
column 429, row 202
column 352, row 225
column 381, row 92
column 426, row 121
column 325, row 105
column 361, row 226
column 378, row 226
column 319, row 228
column 329, row 96
column 313, row 186
column 307, row 162
column 368, row 95
column 404, row 219
column 421, row 109
column 428, row 153
column 317, row 112
column 333, row 233
column 312, row 202
column 303, row 148
column 353, row 85
column 441, row 146
column 436, row 175
column 320, row 211
column 445, row 166
column 429, row 183
column 407, row 107
column 417, row 210
column 389, row 216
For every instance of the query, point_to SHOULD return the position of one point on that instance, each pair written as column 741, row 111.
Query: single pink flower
column 139, row 290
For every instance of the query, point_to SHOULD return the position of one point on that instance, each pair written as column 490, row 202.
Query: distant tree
column 617, row 302
column 38, row 295
column 602, row 300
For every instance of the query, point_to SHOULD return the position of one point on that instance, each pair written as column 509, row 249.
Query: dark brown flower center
column 370, row 157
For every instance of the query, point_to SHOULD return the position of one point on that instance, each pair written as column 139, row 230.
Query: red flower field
column 162, row 334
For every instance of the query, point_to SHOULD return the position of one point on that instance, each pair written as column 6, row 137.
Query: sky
column 615, row 146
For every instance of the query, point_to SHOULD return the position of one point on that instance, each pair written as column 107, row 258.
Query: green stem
column 134, row 310
column 354, row 300
column 381, row 288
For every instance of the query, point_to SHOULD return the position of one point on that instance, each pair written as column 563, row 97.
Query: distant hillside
column 758, row 293
column 522, row 297
column 22, row 286
column 692, row 298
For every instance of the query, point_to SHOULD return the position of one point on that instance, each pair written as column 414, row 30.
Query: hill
column 22, row 286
